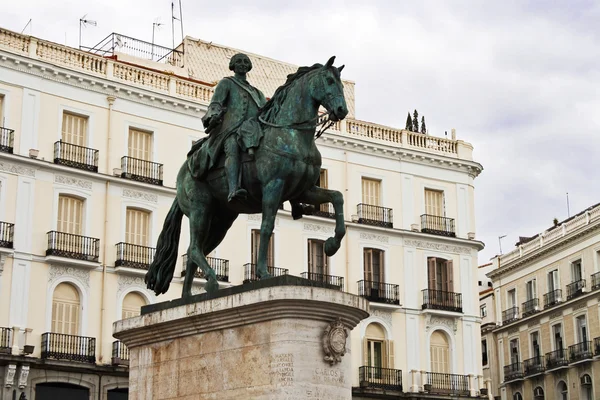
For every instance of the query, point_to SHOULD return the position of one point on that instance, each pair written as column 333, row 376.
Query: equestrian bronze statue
column 258, row 154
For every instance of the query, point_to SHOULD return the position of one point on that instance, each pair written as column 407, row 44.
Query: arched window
column 65, row 309
column 439, row 352
column 538, row 393
column 563, row 391
column 137, row 227
column 70, row 215
column 517, row 396
column 586, row 388
column 132, row 303
column 378, row 351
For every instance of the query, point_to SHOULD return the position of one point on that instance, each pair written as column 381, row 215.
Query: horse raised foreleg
column 318, row 196
column 271, row 199
column 199, row 231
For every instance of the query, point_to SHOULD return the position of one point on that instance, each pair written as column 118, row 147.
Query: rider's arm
column 217, row 107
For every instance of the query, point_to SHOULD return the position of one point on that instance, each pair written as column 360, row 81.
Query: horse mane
column 270, row 110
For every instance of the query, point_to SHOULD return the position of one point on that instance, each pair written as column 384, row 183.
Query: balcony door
column 514, row 351
column 140, row 144
column 535, row 345
column 255, row 245
column 74, row 129
column 558, row 337
column 371, row 192
column 2, row 112
column 439, row 350
column 576, row 273
column 132, row 304
column 530, row 289
column 70, row 215
column 581, row 326
column 373, row 266
column 440, row 274
column 137, row 227
column 318, row 262
column 512, row 298
column 553, row 283
column 323, row 183
column 378, row 351
column 65, row 310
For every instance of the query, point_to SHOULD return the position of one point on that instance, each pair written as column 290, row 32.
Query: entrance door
column 62, row 391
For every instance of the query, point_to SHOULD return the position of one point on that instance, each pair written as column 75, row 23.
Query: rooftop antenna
column 500, row 242
column 84, row 22
column 174, row 18
column 568, row 209
column 155, row 25
column 30, row 27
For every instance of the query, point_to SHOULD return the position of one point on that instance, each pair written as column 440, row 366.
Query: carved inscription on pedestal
column 329, row 376
column 282, row 369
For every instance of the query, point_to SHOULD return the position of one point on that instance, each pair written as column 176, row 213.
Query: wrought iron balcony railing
column 142, row 170
column 575, row 289
column 441, row 300
column 219, row 265
column 66, row 245
column 452, row 384
column 382, row 378
column 513, row 371
column 120, row 353
column 379, row 292
column 596, row 281
column 530, row 307
column 581, row 351
column 134, row 256
column 7, row 139
column 75, row 156
column 330, row 279
column 375, row 215
column 597, row 346
column 68, row 347
column 534, row 366
column 5, row 340
column 436, row 225
column 552, row 298
column 7, row 233
column 325, row 211
column 250, row 272
column 556, row 359
column 510, row 315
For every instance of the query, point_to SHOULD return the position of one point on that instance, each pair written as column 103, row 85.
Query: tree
column 415, row 123
column 423, row 127
column 408, row 122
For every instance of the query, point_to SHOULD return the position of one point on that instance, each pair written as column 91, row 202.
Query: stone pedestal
column 278, row 339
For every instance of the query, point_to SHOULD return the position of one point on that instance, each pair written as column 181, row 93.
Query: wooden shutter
column 140, row 144
column 132, row 304
column 371, row 192
column 368, row 264
column 390, row 354
column 137, row 227
column 317, row 260
column 434, row 202
column 431, row 273
column 74, row 129
column 449, row 276
column 255, row 246
column 70, row 215
column 65, row 310
column 2, row 112
column 365, row 351
column 439, row 350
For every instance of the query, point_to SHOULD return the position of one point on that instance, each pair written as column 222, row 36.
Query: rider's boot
column 232, row 170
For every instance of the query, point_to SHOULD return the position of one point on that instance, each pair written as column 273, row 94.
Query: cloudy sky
column 520, row 80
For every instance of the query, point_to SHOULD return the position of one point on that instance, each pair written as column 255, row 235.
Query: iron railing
column 5, row 340
column 581, row 351
column 552, row 298
column 330, row 279
column 556, row 359
column 142, row 170
column 575, row 289
column 512, row 314
column 383, row 378
column 379, row 292
column 513, row 371
column 375, row 215
column 325, row 211
column 597, row 346
column 134, row 256
column 250, row 272
column 534, row 366
column 120, row 353
column 596, row 281
column 530, row 307
column 437, row 225
column 219, row 265
column 7, row 139
column 447, row 383
column 68, row 347
column 441, row 300
column 75, row 156
column 67, row 245
column 7, row 233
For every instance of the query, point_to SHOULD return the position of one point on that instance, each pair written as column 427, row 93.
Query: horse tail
column 160, row 272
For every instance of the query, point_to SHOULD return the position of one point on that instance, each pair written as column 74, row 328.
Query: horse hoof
column 331, row 247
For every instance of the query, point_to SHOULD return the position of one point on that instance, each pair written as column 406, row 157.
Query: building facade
column 544, row 341
column 90, row 148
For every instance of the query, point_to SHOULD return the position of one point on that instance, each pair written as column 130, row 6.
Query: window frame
column 483, row 311
column 310, row 256
column 382, row 264
column 363, row 197
column 255, row 247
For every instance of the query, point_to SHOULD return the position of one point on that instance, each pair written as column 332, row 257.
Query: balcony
column 379, row 292
column 142, row 170
column 456, row 385
column 557, row 359
column 581, row 352
column 330, row 279
column 530, row 307
column 59, row 346
column 219, row 265
column 250, row 272
column 7, row 138
column 575, row 289
column 380, row 378
column 510, row 315
column 375, row 215
column 75, row 156
column 534, row 366
column 552, row 298
column 7, row 233
column 134, row 256
column 5, row 342
column 120, row 354
column 440, row 300
column 513, row 372
column 597, row 346
column 436, row 225
column 596, row 281
column 78, row 247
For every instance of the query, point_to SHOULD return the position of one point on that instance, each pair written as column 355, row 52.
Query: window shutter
column 254, row 243
column 450, row 275
column 132, row 304
column 137, row 227
column 311, row 267
column 371, row 189
column 365, row 351
column 322, row 182
column 140, row 144
column 70, row 215
column 271, row 251
column 367, row 264
column 2, row 112
column 381, row 266
column 325, row 260
column 74, row 129
column 431, row 273
column 390, row 354
column 65, row 310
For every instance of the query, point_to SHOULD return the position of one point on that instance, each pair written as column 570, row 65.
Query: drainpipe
column 346, row 215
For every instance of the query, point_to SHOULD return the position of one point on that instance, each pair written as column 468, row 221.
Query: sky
column 520, row 80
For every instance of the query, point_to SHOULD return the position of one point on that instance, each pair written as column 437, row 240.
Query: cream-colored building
column 90, row 148
column 544, row 339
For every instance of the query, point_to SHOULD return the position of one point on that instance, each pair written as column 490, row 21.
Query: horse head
column 328, row 90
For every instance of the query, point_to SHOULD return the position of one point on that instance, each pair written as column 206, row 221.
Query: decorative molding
column 126, row 282
column 513, row 331
column 334, row 341
column 579, row 305
column 16, row 169
column 533, row 323
column 318, row 228
column 9, row 377
column 140, row 195
column 554, row 315
column 432, row 321
column 71, row 181
column 447, row 248
column 384, row 315
column 80, row 275
column 23, row 376
column 258, row 218
column 377, row 238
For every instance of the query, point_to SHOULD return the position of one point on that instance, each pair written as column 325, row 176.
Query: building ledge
column 56, row 260
column 131, row 271
column 451, row 314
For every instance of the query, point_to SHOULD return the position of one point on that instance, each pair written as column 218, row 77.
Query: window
column 65, row 310
column 514, row 351
column 140, row 144
column 581, row 326
column 440, row 274
column 132, row 304
column 137, row 227
column 576, row 274
column 535, row 344
column 563, row 391
column 373, row 264
column 74, row 129
column 512, row 298
column 70, row 215
column 318, row 262
column 586, row 387
column 434, row 202
column 371, row 192
column 322, row 182
column 531, row 290
column 483, row 311
column 377, row 351
column 439, row 353
column 517, row 396
column 255, row 244
column 558, row 338
column 538, row 393
column 484, row 352
column 553, row 283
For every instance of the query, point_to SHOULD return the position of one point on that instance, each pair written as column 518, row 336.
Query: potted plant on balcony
column 427, row 387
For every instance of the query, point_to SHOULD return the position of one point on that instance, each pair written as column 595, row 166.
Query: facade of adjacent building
column 90, row 146
column 542, row 331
